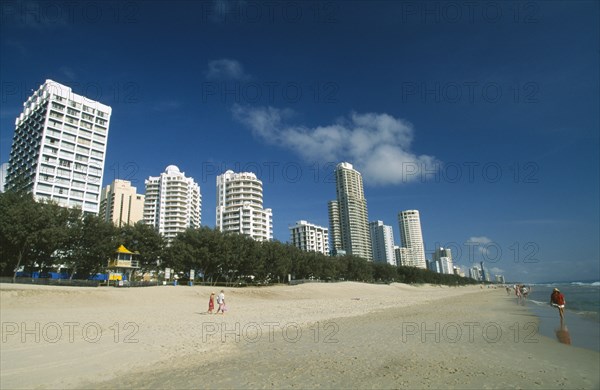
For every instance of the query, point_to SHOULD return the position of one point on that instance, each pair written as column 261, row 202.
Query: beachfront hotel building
column 310, row 237
column 382, row 242
column 485, row 274
column 335, row 233
column 443, row 257
column 172, row 202
column 403, row 256
column 348, row 214
column 411, row 237
column 240, row 206
column 475, row 273
column 59, row 147
column 121, row 204
column 3, row 170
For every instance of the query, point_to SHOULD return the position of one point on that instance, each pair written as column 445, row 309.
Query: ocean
column 582, row 312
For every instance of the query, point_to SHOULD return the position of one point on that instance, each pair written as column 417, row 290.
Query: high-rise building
column 240, row 206
column 433, row 266
column 485, row 275
column 411, row 236
column 475, row 273
column 173, row 202
column 335, row 241
column 309, row 237
column 403, row 256
column 121, row 204
column 445, row 265
column 442, row 252
column 3, row 171
column 351, row 210
column 382, row 242
column 443, row 256
column 59, row 147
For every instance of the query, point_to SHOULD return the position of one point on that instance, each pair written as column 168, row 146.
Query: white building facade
column 411, row 237
column 382, row 242
column 475, row 273
column 3, row 171
column 59, row 147
column 335, row 234
column 240, row 206
column 443, row 256
column 310, row 237
column 121, row 204
column 172, row 202
column 350, row 209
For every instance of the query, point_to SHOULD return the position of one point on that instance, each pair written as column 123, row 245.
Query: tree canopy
column 38, row 235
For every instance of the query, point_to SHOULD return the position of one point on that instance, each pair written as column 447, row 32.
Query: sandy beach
column 350, row 335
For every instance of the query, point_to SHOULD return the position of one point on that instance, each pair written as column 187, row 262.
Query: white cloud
column 480, row 243
column 225, row 69
column 489, row 249
column 377, row 144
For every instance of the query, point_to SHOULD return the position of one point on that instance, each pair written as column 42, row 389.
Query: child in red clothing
column 211, row 303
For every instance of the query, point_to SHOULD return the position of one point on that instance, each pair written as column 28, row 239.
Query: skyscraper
column 121, row 204
column 350, row 209
column 310, row 237
column 240, row 206
column 173, row 202
column 475, row 273
column 382, row 241
column 485, row 275
column 59, row 147
column 3, row 171
column 335, row 241
column 411, row 237
column 443, row 256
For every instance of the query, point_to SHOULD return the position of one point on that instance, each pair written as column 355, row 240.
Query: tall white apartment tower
column 173, row 202
column 382, row 242
column 121, row 204
column 240, row 206
column 411, row 237
column 59, row 147
column 3, row 171
column 350, row 209
column 334, row 227
column 443, row 256
column 309, row 237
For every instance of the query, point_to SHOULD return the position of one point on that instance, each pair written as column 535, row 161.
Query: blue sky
column 483, row 116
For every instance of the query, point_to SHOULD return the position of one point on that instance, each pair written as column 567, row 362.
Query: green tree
column 30, row 232
column 144, row 240
column 277, row 264
column 92, row 242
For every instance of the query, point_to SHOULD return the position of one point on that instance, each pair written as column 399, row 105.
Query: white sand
column 312, row 335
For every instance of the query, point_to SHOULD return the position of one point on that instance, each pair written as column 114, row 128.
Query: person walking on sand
column 211, row 303
column 221, row 302
column 525, row 292
column 557, row 299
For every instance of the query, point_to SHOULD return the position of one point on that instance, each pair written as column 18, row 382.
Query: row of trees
column 40, row 236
